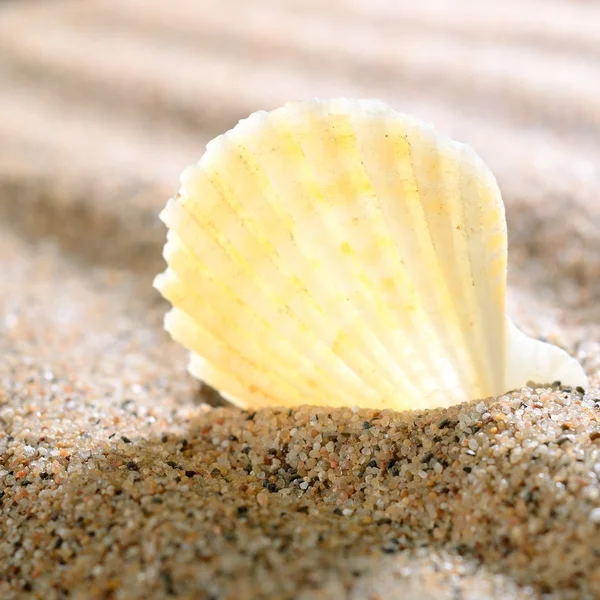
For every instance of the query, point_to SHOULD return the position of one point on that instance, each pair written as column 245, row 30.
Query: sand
column 117, row 479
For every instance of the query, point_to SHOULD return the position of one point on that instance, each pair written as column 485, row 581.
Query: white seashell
column 337, row 252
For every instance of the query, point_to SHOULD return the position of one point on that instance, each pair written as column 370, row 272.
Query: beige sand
column 116, row 481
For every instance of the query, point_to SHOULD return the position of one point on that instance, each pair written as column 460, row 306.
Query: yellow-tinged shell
column 337, row 252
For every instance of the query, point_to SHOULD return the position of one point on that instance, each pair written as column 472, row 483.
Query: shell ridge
column 298, row 357
column 394, row 264
column 254, row 328
column 437, row 362
column 457, row 295
column 370, row 211
column 456, row 262
column 450, row 326
column 201, row 369
column 313, row 148
column 225, row 354
column 408, row 222
column 293, row 204
column 366, row 369
column 486, row 349
column 185, row 331
column 309, row 278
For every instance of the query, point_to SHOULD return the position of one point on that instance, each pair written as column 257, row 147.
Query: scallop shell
column 340, row 253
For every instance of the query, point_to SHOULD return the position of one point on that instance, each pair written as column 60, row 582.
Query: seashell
column 337, row 252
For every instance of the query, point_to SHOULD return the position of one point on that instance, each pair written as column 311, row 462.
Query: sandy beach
column 120, row 476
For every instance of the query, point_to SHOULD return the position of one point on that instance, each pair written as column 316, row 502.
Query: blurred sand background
column 116, row 481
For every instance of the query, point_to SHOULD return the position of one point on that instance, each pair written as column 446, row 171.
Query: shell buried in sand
column 341, row 253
